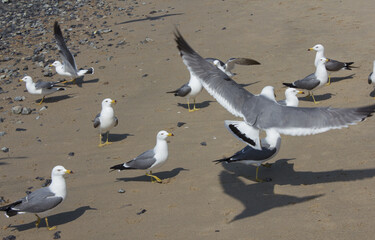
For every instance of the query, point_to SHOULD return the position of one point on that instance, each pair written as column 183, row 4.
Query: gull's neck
column 319, row 54
column 58, row 186
column 107, row 111
column 161, row 149
column 291, row 100
column 321, row 73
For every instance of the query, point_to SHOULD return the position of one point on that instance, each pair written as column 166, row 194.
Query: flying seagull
column 41, row 87
column 150, row 159
column 189, row 90
column 331, row 65
column 261, row 112
column 68, row 66
column 43, row 200
column 257, row 151
column 229, row 65
column 313, row 81
column 105, row 120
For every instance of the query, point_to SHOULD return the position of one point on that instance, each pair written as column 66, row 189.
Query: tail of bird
column 348, row 67
column 175, row 92
column 9, row 212
column 289, row 85
column 82, row 72
column 90, row 71
column 118, row 167
column 227, row 160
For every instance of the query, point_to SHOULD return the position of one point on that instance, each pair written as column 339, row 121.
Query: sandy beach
column 322, row 185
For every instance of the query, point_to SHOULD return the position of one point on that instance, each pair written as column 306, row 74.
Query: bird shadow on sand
column 372, row 93
column 260, row 197
column 248, row 84
column 6, row 158
column 116, row 137
column 318, row 98
column 162, row 175
column 55, row 98
column 339, row 79
column 197, row 105
column 147, row 18
column 79, row 81
column 55, row 220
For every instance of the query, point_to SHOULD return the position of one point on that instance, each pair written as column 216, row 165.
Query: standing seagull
column 291, row 99
column 189, row 90
column 40, row 87
column 43, row 200
column 150, row 159
column 68, row 66
column 257, row 151
column 105, row 120
column 313, row 81
column 371, row 77
column 261, row 112
column 229, row 65
column 331, row 65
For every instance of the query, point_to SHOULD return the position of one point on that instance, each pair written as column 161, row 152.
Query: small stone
column 47, row 182
column 37, row 117
column 71, row 154
column 203, row 143
column 121, row 191
column 16, row 109
column 141, row 212
column 19, row 98
column 180, row 124
column 10, row 237
column 26, row 111
column 5, row 149
column 40, row 178
column 57, row 235
column 144, row 75
column 21, row 129
column 2, row 200
column 2, row 134
column 28, row 192
column 43, row 108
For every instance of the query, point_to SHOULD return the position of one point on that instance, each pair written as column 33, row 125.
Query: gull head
column 162, row 135
column 323, row 60
column 56, row 64
column 268, row 92
column 60, row 171
column 108, row 102
column 26, row 79
column 217, row 63
column 292, row 92
column 317, row 47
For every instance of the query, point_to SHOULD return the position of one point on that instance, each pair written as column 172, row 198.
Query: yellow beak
column 300, row 92
column 114, row 101
column 20, row 80
column 170, row 134
column 310, row 49
column 69, row 171
column 51, row 65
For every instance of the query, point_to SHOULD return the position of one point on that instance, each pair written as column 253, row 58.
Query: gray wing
column 259, row 111
column 183, row 90
column 333, row 65
column 309, row 82
column 143, row 161
column 66, row 55
column 282, row 102
column 116, row 121
column 240, row 61
column 97, row 121
column 370, row 78
column 38, row 201
column 41, row 84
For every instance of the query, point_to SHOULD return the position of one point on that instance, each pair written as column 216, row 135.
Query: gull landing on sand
column 331, row 65
column 43, row 200
column 68, row 66
column 150, row 159
column 106, row 120
column 261, row 112
column 41, row 87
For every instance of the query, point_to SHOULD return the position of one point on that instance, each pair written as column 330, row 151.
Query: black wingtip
column 57, row 29
column 227, row 160
column 90, row 71
column 182, row 45
column 289, row 85
column 118, row 167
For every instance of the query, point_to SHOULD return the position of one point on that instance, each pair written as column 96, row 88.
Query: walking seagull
column 261, row 112
column 229, row 65
column 68, row 66
column 257, row 151
column 105, row 120
column 150, row 159
column 41, row 87
column 331, row 65
column 313, row 81
column 43, row 200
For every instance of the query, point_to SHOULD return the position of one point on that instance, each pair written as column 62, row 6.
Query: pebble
column 17, row 109
column 40, row 178
column 19, row 98
column 2, row 200
column 10, row 237
column 2, row 134
column 21, row 129
column 5, row 149
column 121, row 191
column 203, row 143
column 43, row 108
column 180, row 124
column 71, row 154
column 47, row 182
column 26, row 111
column 141, row 212
column 57, row 235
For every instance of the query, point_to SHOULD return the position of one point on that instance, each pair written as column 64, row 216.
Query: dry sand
column 322, row 185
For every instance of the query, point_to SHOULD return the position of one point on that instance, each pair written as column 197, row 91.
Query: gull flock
column 259, row 113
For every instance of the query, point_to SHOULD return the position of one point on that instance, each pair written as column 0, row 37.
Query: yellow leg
column 190, row 110
column 312, row 95
column 41, row 100
column 72, row 80
column 107, row 142
column 49, row 228
column 194, row 106
column 256, row 175
column 267, row 165
column 153, row 177
column 100, row 141
column 329, row 80
column 37, row 221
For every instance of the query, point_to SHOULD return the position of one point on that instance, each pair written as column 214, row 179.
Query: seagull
column 313, row 81
column 189, row 90
column 291, row 99
column 331, row 65
column 268, row 92
column 105, row 120
column 371, row 77
column 257, row 151
column 68, row 66
column 229, row 65
column 43, row 200
column 40, row 87
column 150, row 159
column 261, row 112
